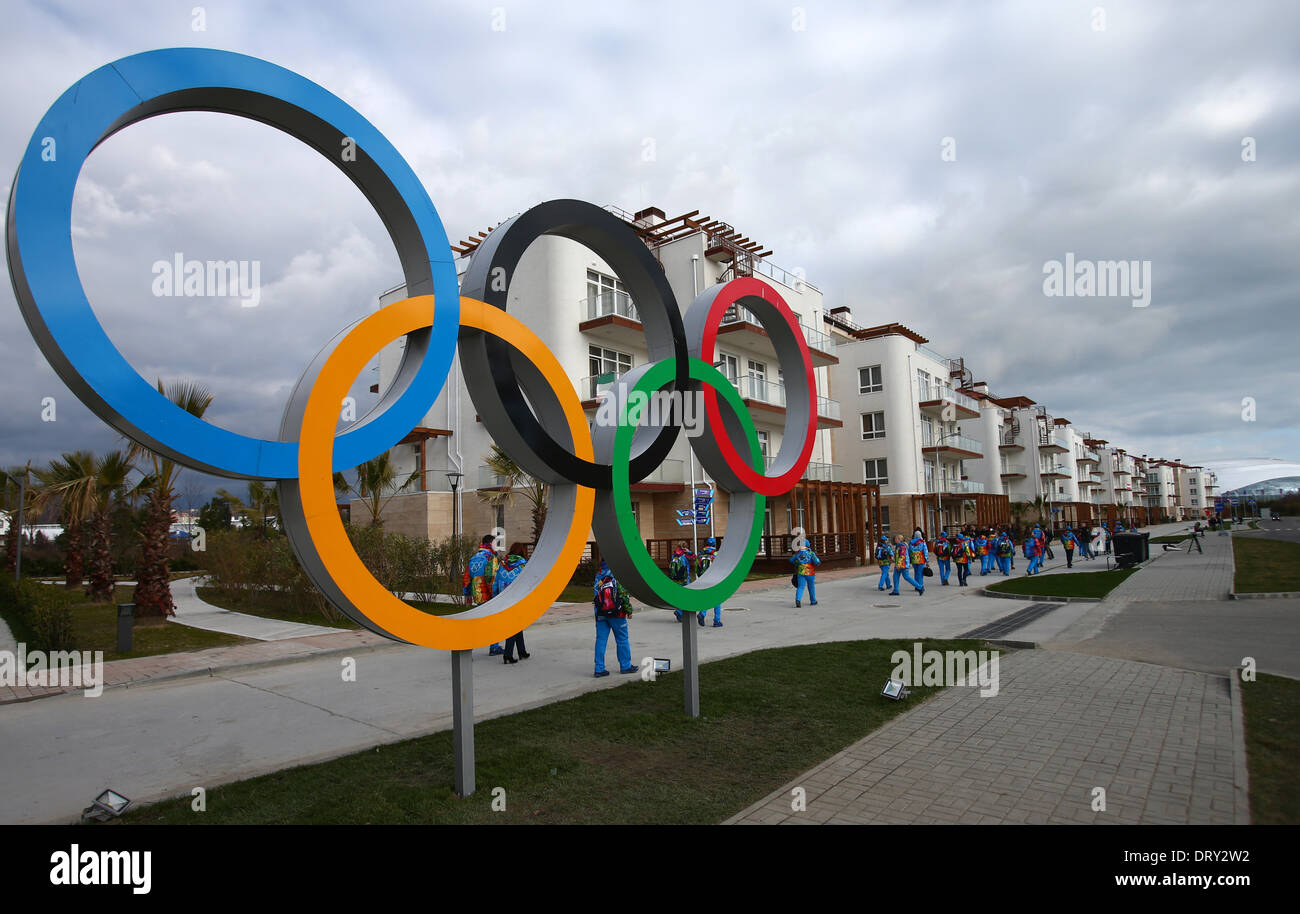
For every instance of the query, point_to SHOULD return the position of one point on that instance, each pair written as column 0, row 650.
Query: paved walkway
column 1178, row 575
column 1160, row 742
column 196, row 613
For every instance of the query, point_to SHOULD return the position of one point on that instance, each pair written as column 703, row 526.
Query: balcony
column 1013, row 471
column 955, row 487
column 934, row 398
column 956, row 446
column 1120, row 471
column 1087, row 457
column 1054, row 473
column 816, row 471
column 612, row 317
column 591, row 389
column 744, row 331
column 762, row 395
column 1051, row 442
column 668, row 476
column 1010, row 443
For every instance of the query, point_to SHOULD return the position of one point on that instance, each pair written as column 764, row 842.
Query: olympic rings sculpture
column 521, row 392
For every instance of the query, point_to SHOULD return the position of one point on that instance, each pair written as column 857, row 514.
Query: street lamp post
column 939, row 482
column 454, row 477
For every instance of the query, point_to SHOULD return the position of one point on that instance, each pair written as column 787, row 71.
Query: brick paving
column 1160, row 741
column 1176, row 576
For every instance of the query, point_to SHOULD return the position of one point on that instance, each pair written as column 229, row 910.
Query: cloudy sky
column 921, row 162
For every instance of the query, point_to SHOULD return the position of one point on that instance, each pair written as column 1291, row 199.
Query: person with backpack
column 885, row 558
column 1068, row 542
column 682, row 568
column 805, row 563
column 613, row 606
column 1034, row 552
column 918, row 554
column 1004, row 551
column 505, row 576
column 480, row 575
column 702, row 563
column 963, row 550
column 943, row 552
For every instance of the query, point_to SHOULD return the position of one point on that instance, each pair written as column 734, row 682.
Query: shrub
column 39, row 615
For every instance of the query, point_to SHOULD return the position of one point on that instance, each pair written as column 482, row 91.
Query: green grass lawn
column 1265, row 566
column 1272, row 708
column 1177, row 538
column 1081, row 584
column 94, row 628
column 620, row 755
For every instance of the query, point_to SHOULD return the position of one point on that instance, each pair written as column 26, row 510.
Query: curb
column 212, row 671
column 1241, row 772
column 1279, row 595
column 1040, row 599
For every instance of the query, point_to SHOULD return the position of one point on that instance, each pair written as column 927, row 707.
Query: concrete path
column 1159, row 742
column 196, row 613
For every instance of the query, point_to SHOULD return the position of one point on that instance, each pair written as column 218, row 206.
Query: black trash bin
column 1145, row 546
column 1128, row 548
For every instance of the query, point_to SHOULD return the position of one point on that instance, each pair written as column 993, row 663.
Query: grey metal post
column 16, row 525
column 125, row 626
column 462, row 717
column 691, row 664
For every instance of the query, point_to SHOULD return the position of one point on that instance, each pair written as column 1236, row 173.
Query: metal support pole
column 16, row 526
column 462, row 717
column 691, row 664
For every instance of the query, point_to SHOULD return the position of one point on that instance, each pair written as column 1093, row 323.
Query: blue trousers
column 918, row 575
column 884, row 578
column 622, row 648
column 963, row 570
column 1035, row 564
column 945, row 568
column 905, row 575
column 812, row 589
column 1004, row 563
column 984, row 563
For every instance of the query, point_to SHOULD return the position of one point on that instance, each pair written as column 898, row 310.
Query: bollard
column 125, row 626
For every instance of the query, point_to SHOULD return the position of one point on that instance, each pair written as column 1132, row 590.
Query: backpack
column 607, row 603
column 680, row 568
column 704, row 561
column 1006, row 548
column 884, row 553
column 478, row 563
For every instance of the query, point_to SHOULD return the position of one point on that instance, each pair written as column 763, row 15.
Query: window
column 730, row 367
column 875, row 472
column 607, row 295
column 873, row 426
column 636, row 514
column 605, row 365
column 869, row 380
column 764, row 443
column 923, row 384
column 927, row 431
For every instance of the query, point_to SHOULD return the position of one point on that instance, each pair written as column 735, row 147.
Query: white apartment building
column 580, row 309
column 911, row 429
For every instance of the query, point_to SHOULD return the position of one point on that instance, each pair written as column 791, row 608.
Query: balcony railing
column 594, row 386
column 738, row 314
column 931, row 354
column 940, row 392
column 670, row 471
column 607, row 303
column 820, row 472
column 757, row 387
column 960, row 442
column 1013, row 469
column 828, row 408
column 955, row 486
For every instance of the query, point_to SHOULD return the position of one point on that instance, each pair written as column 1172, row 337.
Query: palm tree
column 88, row 489
column 374, row 478
column 153, row 594
column 514, row 479
column 65, row 481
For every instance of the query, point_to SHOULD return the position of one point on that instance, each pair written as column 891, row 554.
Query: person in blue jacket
column 1069, row 542
column 702, row 563
column 1003, row 551
column 943, row 552
column 918, row 556
column 505, row 576
column 805, row 564
column 885, row 557
column 613, row 607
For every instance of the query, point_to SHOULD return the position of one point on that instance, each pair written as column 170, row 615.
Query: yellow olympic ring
column 462, row 631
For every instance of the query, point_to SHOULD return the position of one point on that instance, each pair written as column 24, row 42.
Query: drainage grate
column 1007, row 624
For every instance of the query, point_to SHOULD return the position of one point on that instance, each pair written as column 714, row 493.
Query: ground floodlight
column 108, row 805
column 894, row 690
